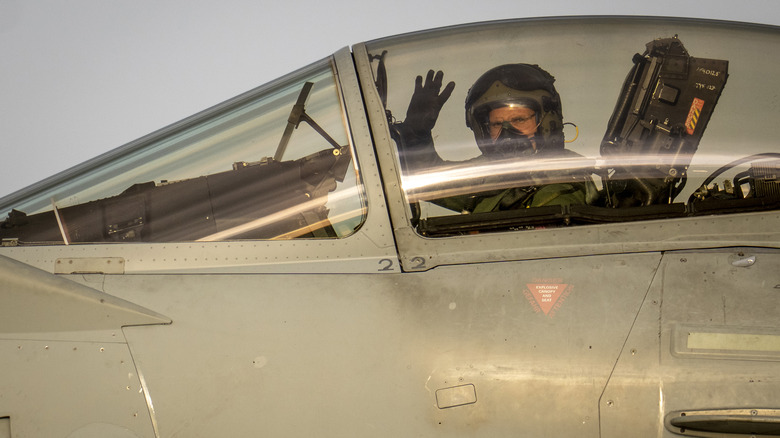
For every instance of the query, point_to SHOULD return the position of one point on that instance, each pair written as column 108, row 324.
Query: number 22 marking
column 388, row 265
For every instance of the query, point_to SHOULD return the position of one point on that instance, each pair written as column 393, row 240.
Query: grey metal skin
column 67, row 364
column 388, row 333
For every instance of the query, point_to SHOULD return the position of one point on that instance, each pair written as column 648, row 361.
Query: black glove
column 426, row 103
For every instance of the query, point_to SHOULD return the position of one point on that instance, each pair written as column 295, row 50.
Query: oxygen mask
column 509, row 143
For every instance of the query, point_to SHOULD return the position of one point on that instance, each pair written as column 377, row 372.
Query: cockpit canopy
column 630, row 119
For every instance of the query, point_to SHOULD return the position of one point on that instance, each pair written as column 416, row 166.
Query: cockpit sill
column 307, row 256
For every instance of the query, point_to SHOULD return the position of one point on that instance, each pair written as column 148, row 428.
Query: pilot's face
column 515, row 119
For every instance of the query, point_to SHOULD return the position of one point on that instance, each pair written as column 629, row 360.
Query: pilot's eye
column 519, row 123
column 521, row 120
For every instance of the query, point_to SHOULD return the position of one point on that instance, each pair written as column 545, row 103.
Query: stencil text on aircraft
column 546, row 296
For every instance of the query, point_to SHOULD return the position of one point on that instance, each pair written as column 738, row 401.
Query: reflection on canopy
column 287, row 214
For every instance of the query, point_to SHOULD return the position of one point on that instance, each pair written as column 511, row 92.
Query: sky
column 82, row 77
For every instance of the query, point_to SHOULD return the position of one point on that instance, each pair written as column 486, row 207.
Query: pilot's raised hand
column 426, row 102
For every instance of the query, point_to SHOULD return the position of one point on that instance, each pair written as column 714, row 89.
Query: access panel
column 704, row 355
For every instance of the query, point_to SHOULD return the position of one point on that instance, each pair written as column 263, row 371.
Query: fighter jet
column 540, row 227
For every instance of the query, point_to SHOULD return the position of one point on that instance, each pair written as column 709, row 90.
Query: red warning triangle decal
column 546, row 294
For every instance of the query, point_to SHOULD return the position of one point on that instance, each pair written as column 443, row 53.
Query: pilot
column 515, row 113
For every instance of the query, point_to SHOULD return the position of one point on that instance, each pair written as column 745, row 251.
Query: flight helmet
column 515, row 85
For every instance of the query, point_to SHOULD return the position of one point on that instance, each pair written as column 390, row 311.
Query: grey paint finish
column 365, row 354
